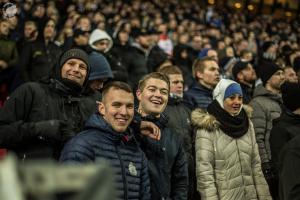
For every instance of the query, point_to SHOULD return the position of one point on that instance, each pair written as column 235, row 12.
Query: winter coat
column 168, row 168
column 180, row 121
column 289, row 164
column 137, row 66
column 37, row 60
column 227, row 168
column 34, row 102
column 266, row 108
column 285, row 128
column 8, row 52
column 197, row 96
column 99, row 141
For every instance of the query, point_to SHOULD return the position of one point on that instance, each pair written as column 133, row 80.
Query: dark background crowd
column 202, row 42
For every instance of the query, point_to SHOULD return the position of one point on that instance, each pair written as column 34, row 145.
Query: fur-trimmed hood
column 203, row 120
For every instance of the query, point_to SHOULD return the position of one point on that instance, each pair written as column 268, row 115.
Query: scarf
column 233, row 126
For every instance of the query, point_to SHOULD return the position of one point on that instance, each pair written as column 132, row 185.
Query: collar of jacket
column 97, row 122
column 161, row 121
column 173, row 100
column 66, row 87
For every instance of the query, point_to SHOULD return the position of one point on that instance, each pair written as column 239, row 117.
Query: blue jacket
column 100, row 141
column 197, row 96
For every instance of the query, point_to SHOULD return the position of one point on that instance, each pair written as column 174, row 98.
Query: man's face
column 290, row 75
column 176, row 84
column 117, row 109
column 84, row 24
column 248, row 74
column 28, row 30
column 197, row 43
column 210, row 75
column 96, row 84
column 75, row 70
column 154, row 97
column 82, row 39
column 213, row 54
column 144, row 41
column 102, row 45
column 276, row 80
column 4, row 28
column 49, row 30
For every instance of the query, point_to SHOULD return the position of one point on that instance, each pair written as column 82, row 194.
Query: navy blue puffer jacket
column 100, row 141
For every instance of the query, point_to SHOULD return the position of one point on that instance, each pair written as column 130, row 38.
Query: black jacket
column 168, row 168
column 99, row 141
column 289, row 179
column 136, row 66
column 285, row 128
column 37, row 60
column 180, row 121
column 27, row 118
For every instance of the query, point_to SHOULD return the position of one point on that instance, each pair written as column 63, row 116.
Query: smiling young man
column 107, row 136
column 39, row 117
column 207, row 75
column 167, row 162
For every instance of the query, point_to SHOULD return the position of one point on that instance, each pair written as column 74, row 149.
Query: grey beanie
column 74, row 53
column 100, row 68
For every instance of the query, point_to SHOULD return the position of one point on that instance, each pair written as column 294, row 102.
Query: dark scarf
column 233, row 126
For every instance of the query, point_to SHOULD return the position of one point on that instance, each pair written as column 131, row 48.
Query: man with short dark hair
column 180, row 120
column 167, row 162
column 107, row 136
column 207, row 75
column 244, row 74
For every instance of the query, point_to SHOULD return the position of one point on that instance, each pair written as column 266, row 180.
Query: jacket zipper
column 240, row 165
column 123, row 174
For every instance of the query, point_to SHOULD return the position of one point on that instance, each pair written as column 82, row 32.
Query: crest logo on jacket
column 132, row 169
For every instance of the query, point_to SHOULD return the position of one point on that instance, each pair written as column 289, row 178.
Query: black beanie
column 267, row 45
column 239, row 66
column 267, row 70
column 291, row 95
column 74, row 53
column 296, row 64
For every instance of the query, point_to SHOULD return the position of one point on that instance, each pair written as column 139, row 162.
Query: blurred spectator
column 290, row 75
column 38, row 57
column 244, row 74
column 102, row 43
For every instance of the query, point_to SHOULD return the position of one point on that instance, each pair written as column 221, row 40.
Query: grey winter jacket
column 266, row 107
column 226, row 167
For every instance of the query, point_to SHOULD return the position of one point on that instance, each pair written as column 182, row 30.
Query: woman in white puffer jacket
column 228, row 165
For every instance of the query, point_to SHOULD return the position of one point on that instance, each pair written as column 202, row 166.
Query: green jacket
column 8, row 52
column 227, row 168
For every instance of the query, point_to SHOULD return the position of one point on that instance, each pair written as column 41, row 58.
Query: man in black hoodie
column 39, row 117
column 166, row 158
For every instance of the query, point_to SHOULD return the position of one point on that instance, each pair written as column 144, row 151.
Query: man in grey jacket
column 266, row 105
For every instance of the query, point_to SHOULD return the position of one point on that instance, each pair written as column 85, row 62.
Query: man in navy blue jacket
column 108, row 137
column 168, row 168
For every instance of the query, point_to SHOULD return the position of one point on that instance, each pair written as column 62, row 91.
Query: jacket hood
column 100, row 68
column 97, row 35
column 260, row 90
column 203, row 120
